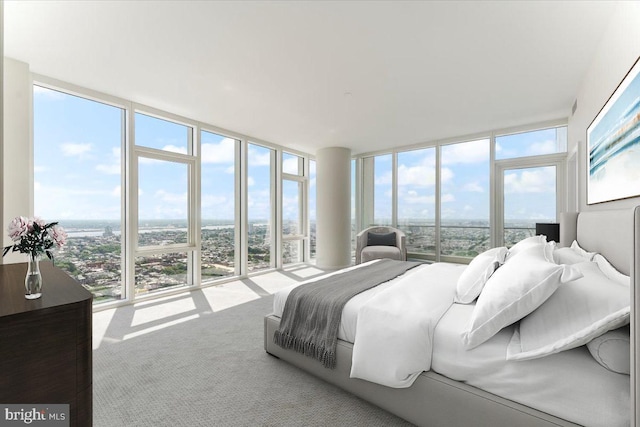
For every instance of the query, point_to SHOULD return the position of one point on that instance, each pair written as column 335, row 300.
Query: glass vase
column 33, row 280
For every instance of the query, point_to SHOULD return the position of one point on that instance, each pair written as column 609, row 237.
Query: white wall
column 17, row 157
column 616, row 53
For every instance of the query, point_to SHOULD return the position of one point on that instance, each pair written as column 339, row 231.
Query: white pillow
column 574, row 315
column 610, row 271
column 517, row 288
column 567, row 256
column 476, row 274
column 527, row 243
column 587, row 255
column 611, row 350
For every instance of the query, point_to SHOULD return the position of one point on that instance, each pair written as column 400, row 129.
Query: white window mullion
column 131, row 218
column 496, row 200
column 306, row 224
column 241, row 190
column 195, row 201
column 276, row 209
column 394, row 189
column 438, row 202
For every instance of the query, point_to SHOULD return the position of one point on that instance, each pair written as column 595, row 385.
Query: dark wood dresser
column 45, row 344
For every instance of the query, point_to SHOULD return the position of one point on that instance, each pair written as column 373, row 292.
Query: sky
column 464, row 176
column 77, row 166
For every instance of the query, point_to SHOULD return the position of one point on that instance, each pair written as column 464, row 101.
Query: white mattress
column 570, row 385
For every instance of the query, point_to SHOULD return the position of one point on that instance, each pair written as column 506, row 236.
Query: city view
column 93, row 251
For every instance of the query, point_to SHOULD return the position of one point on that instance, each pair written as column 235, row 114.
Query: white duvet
column 392, row 325
column 395, row 338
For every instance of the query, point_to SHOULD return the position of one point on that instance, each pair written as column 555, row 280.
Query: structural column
column 333, row 191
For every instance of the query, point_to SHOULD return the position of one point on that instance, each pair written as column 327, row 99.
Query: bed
column 480, row 387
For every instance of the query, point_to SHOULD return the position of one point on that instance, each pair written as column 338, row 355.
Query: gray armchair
column 380, row 242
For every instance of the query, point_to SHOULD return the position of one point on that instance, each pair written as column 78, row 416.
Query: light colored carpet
column 197, row 359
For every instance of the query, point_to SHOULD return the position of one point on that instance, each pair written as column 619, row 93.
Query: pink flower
column 18, row 228
column 58, row 235
column 37, row 220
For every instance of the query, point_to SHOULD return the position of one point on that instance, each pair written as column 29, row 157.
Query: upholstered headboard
column 616, row 235
column 610, row 233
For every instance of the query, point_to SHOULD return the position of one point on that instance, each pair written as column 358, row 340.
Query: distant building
column 108, row 231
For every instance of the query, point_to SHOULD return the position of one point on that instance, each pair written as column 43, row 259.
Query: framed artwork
column 613, row 144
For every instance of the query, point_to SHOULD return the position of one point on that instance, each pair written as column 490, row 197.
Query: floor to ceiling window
column 165, row 166
column 78, row 181
column 416, row 189
column 529, row 197
column 154, row 202
column 377, row 200
column 382, row 193
column 444, row 198
column 312, row 209
column 259, row 207
column 529, row 173
column 465, row 198
column 293, row 200
column 218, row 206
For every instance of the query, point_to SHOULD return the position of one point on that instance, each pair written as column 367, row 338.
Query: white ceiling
column 307, row 75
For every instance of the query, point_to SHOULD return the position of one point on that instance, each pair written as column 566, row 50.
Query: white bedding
column 349, row 322
column 569, row 385
column 395, row 328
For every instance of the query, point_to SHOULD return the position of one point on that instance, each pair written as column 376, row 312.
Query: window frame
column 365, row 177
column 91, row 95
column 130, row 155
column 556, row 160
column 302, row 178
column 191, row 247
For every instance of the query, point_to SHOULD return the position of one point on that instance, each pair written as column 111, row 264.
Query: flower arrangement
column 34, row 237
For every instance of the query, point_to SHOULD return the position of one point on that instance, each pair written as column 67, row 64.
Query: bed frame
column 434, row 400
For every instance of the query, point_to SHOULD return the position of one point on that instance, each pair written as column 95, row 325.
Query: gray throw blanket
column 312, row 313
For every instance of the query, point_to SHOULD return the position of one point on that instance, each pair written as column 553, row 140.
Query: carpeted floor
column 184, row 361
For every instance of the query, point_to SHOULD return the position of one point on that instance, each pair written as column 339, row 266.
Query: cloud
column 70, row 149
column 473, row 187
column 112, row 169
column 384, row 179
column 173, row 198
column 544, row 147
column 259, row 157
column 222, row 152
column 117, row 191
column 422, row 176
column 250, row 181
column 447, row 198
column 214, row 201
column 446, row 175
column 536, row 180
column 466, row 152
column 415, row 199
